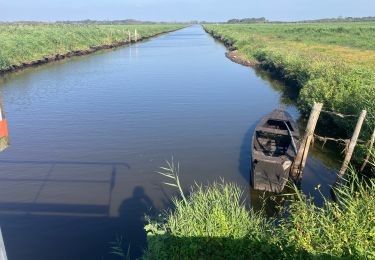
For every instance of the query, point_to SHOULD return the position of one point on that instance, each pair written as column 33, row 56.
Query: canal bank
column 131, row 37
column 88, row 134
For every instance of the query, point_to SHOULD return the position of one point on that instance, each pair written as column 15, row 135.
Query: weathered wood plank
column 369, row 152
column 299, row 162
column 352, row 144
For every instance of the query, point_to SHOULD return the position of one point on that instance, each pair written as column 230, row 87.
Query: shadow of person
column 132, row 212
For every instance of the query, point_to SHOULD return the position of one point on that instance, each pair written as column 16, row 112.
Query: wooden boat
column 274, row 147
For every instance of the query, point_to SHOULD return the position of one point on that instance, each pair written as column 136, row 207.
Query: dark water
column 89, row 133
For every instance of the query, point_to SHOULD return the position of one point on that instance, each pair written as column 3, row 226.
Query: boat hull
column 269, row 176
column 274, row 146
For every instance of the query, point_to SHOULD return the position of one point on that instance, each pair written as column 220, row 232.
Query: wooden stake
column 135, row 35
column 352, row 144
column 369, row 152
column 130, row 37
column 300, row 160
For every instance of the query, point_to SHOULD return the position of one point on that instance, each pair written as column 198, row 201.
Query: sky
column 181, row 10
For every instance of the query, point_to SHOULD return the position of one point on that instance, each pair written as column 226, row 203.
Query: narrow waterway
column 89, row 133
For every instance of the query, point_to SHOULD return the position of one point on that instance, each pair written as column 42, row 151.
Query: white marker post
column 3, row 254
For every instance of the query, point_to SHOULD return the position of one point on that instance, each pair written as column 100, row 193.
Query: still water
column 89, row 133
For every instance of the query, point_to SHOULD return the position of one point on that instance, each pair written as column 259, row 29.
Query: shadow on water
column 244, row 160
column 64, row 162
column 289, row 92
column 49, row 207
column 132, row 225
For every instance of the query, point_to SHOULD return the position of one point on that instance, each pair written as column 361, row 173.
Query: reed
column 214, row 223
column 25, row 43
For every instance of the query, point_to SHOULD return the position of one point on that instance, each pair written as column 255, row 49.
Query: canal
column 88, row 135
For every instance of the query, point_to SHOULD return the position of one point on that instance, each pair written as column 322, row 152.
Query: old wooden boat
column 274, row 147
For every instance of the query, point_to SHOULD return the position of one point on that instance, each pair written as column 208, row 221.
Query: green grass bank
column 330, row 63
column 24, row 45
column 213, row 223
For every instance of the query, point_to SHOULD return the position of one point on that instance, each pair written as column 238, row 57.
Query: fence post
column 369, row 152
column 300, row 160
column 130, row 38
column 135, row 35
column 351, row 146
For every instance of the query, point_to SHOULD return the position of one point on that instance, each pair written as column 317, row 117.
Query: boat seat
column 272, row 131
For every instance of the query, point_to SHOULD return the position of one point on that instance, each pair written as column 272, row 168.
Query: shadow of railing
column 48, row 207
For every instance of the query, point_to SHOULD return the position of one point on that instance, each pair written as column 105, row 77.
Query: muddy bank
column 233, row 53
column 57, row 57
column 236, row 57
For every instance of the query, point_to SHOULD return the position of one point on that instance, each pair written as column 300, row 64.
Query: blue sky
column 181, row 10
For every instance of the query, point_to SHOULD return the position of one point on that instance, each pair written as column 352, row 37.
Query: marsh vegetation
column 214, row 222
column 26, row 43
column 333, row 63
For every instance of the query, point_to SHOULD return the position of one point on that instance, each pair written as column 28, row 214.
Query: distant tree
column 248, row 20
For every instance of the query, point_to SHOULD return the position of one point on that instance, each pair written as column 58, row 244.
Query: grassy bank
column 213, row 223
column 331, row 63
column 29, row 44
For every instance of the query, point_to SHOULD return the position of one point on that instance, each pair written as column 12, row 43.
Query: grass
column 330, row 63
column 24, row 43
column 213, row 223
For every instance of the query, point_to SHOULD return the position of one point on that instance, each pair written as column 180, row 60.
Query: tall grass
column 23, row 43
column 213, row 223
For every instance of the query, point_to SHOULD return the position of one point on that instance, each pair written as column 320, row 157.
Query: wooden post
column 369, row 151
column 135, row 35
column 300, row 160
column 130, row 37
column 3, row 254
column 351, row 146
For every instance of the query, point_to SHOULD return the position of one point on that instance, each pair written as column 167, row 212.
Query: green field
column 330, row 63
column 25, row 43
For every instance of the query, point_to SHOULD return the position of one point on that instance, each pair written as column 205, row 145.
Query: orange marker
column 4, row 140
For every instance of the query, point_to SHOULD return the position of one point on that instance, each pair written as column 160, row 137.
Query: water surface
column 89, row 133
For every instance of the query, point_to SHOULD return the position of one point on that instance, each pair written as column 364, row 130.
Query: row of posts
column 130, row 36
column 301, row 157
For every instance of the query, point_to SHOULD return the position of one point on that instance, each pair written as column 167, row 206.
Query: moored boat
column 274, row 148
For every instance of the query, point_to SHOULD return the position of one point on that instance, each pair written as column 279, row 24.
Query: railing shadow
column 35, row 206
column 72, row 227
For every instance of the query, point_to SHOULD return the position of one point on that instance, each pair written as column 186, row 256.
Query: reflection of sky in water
column 89, row 133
